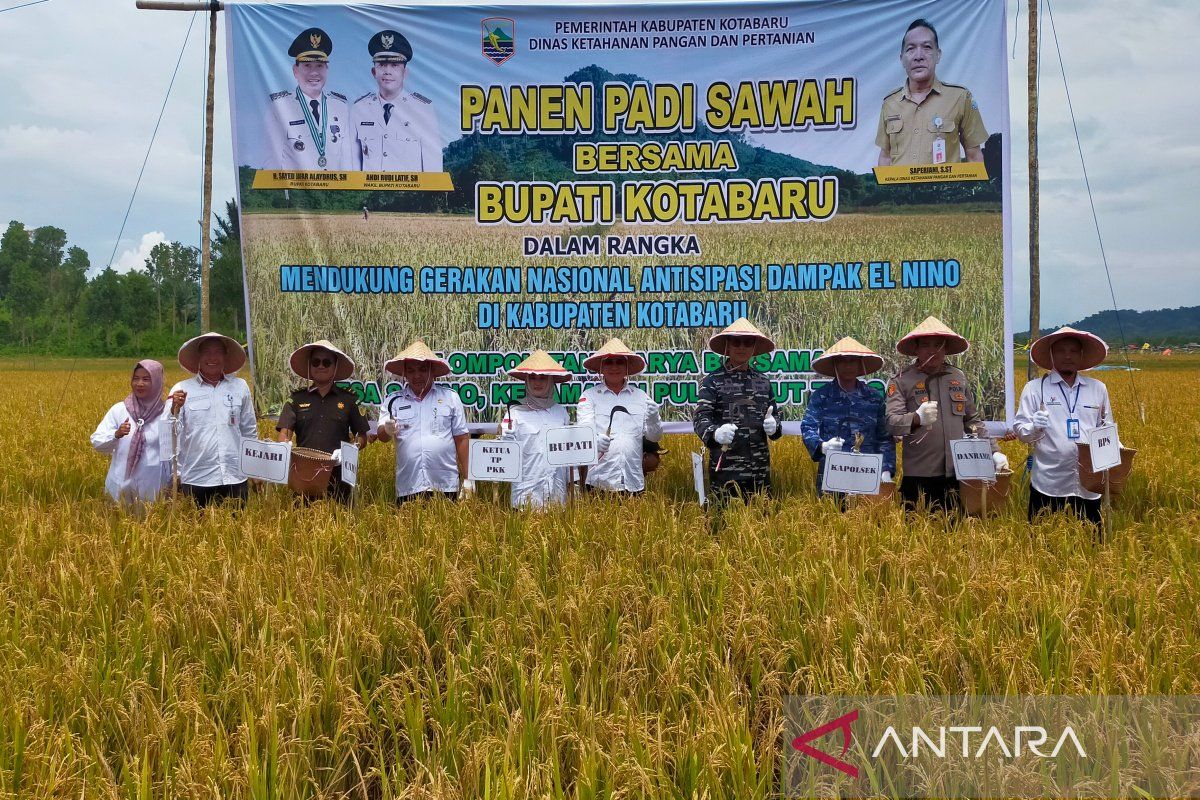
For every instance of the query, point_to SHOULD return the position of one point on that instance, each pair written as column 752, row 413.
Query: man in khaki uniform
column 929, row 405
column 925, row 121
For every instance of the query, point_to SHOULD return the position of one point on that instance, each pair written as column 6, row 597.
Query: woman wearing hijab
column 541, row 483
column 130, row 433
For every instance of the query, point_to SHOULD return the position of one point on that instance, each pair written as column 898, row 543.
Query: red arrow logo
column 843, row 723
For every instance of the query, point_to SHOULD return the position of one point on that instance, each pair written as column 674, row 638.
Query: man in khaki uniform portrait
column 927, row 121
column 929, row 405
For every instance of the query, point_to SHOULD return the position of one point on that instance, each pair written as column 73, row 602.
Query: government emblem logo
column 387, row 40
column 315, row 39
column 499, row 39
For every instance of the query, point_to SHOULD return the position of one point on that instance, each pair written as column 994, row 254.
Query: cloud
column 136, row 258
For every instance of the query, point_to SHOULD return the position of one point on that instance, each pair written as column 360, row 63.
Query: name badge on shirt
column 405, row 414
column 939, row 150
column 1073, row 429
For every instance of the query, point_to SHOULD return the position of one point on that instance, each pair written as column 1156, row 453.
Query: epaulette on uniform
column 893, row 92
column 422, row 98
column 284, row 93
column 364, row 97
column 338, row 95
column 955, row 86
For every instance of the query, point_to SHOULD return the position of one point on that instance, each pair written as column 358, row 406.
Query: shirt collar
column 200, row 380
column 604, row 388
column 1054, row 377
column 936, row 88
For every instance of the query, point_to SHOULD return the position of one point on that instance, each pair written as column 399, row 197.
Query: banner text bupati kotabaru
column 503, row 178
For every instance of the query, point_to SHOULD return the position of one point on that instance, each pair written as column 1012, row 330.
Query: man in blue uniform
column 846, row 412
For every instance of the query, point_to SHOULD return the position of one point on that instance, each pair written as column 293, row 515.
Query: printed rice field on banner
column 500, row 180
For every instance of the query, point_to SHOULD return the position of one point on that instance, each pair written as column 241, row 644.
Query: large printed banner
column 496, row 179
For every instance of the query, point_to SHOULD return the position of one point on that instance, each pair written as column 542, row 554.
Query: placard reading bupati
column 507, row 178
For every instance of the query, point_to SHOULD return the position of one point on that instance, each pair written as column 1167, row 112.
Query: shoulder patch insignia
column 421, row 97
column 891, row 389
column 338, row 95
column 920, row 387
column 365, row 96
column 284, row 93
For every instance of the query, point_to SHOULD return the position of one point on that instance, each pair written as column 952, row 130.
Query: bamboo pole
column 1035, row 271
column 206, row 221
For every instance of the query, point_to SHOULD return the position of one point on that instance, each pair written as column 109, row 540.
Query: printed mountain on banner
column 1161, row 326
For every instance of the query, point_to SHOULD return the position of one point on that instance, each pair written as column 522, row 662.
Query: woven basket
column 886, row 496
column 310, row 471
column 1094, row 481
column 971, row 492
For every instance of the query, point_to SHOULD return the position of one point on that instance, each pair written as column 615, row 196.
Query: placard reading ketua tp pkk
column 268, row 461
column 495, row 460
column 571, row 446
column 973, row 459
column 852, row 473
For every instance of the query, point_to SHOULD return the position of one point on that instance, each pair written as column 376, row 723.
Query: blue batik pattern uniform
column 834, row 413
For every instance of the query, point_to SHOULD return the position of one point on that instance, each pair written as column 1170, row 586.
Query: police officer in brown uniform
column 323, row 415
column 929, row 405
column 925, row 121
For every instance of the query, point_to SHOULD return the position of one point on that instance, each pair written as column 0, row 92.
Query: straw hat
column 932, row 326
column 540, row 363
column 1094, row 348
column 189, row 354
column 614, row 348
column 741, row 327
column 300, row 360
column 848, row 347
column 418, row 351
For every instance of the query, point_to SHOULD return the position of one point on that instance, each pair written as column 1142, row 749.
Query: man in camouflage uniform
column 929, row 405
column 736, row 415
column 846, row 412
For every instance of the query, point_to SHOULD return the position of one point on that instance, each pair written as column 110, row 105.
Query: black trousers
column 451, row 496
column 206, row 495
column 1087, row 510
column 725, row 490
column 940, row 494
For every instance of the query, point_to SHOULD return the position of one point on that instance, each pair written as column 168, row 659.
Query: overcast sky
column 84, row 82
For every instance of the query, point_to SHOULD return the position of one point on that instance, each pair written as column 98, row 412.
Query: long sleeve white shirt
column 541, row 484
column 426, row 455
column 152, row 472
column 213, row 422
column 619, row 469
column 1056, row 457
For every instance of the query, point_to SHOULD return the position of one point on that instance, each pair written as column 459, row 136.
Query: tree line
column 52, row 301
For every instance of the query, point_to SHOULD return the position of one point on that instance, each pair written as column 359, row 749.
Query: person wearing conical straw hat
column 322, row 415
column 929, row 405
column 429, row 425
column 736, row 414
column 541, row 484
column 1055, row 413
column 215, row 413
column 622, row 416
column 847, row 408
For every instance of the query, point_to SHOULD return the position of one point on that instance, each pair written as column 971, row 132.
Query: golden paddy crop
column 607, row 650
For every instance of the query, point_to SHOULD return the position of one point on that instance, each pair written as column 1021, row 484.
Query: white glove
column 1041, row 420
column 1001, row 462
column 467, row 489
column 770, row 424
column 336, row 455
column 927, row 412
column 885, row 477
column 724, row 434
column 833, row 445
column 603, row 441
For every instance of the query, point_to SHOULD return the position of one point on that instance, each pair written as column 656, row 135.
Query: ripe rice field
column 612, row 649
column 373, row 328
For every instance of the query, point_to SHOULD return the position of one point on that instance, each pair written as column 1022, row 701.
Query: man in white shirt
column 429, row 425
column 396, row 130
column 622, row 416
column 1055, row 414
column 215, row 413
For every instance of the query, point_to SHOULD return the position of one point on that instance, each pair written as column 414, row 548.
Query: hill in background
column 1165, row 326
